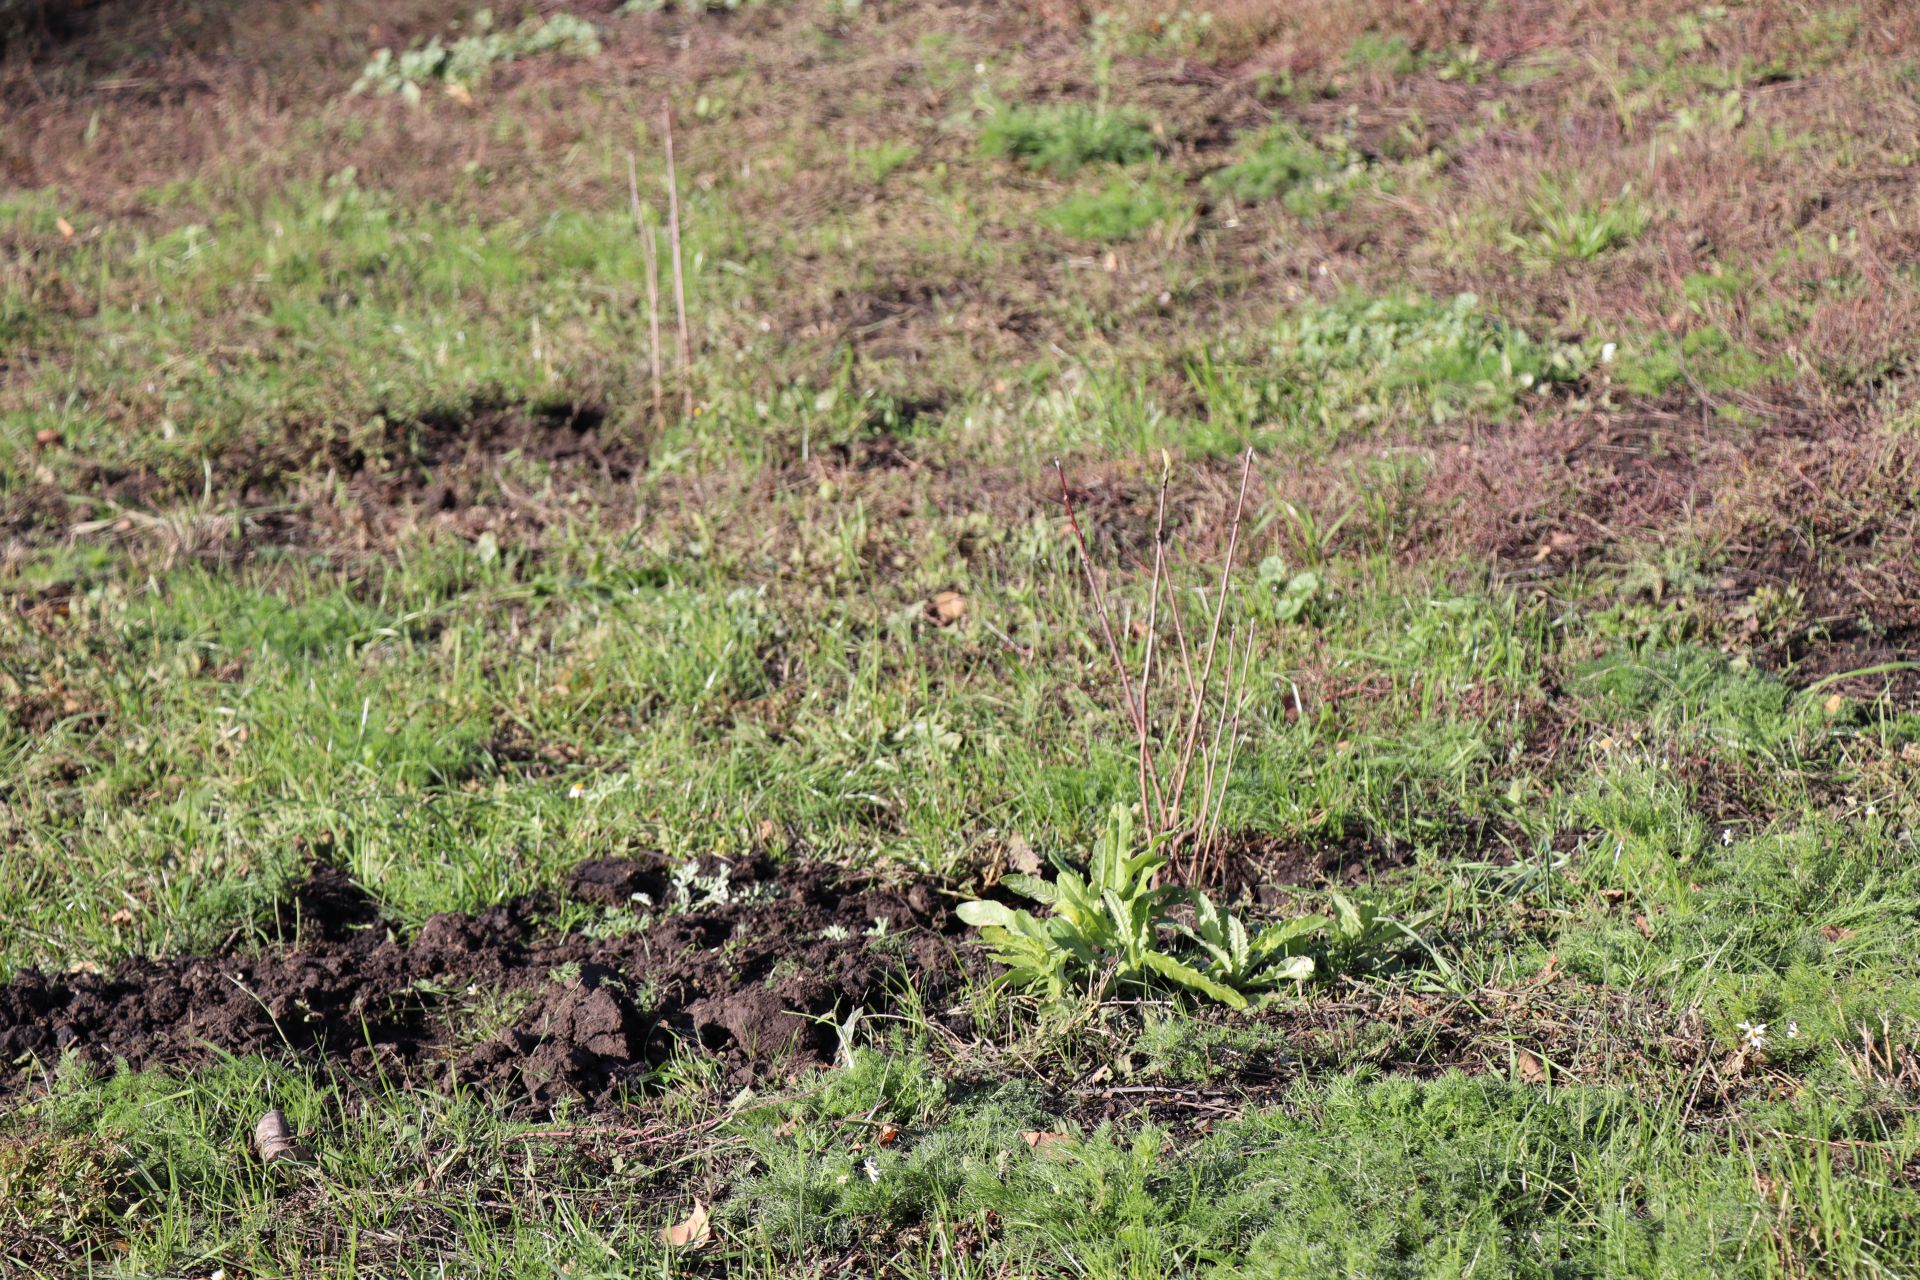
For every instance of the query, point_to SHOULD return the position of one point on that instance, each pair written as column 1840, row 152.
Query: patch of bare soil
column 1266, row 865
column 486, row 467
column 1552, row 492
column 759, row 981
column 445, row 461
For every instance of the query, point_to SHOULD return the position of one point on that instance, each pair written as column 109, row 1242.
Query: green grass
column 1307, row 177
column 1064, row 139
column 336, row 517
column 1120, row 210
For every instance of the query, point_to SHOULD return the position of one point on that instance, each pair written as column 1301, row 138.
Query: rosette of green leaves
column 1103, row 927
column 1252, row 962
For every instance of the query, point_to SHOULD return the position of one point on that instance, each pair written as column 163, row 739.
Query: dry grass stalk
column 679, row 279
column 1186, row 811
column 650, row 255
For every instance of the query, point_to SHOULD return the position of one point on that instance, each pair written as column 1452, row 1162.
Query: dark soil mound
column 755, row 979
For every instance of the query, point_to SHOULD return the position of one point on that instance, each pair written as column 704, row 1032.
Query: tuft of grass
column 1284, row 163
column 1123, row 209
column 1561, row 228
column 1384, row 53
column 62, row 1197
column 1062, row 139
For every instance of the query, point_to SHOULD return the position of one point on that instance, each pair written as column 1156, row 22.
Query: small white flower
column 1607, row 353
column 1753, row 1033
column 872, row 1170
column 1726, row 837
column 1793, row 1031
column 576, row 792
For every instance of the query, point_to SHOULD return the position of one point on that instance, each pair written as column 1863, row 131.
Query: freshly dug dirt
column 756, row 980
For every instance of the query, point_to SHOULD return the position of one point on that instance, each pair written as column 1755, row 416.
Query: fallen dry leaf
column 1530, row 1067
column 45, row 438
column 64, row 227
column 1833, row 704
column 273, row 1139
column 888, row 1135
column 691, row 1234
column 1563, row 542
column 1037, row 1138
column 947, row 607
column 1022, row 858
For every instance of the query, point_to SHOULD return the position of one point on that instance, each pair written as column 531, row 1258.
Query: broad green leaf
column 1296, row 969
column 1192, row 979
column 1033, row 887
column 988, row 914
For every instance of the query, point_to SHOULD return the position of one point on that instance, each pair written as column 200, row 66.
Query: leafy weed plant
column 466, row 64
column 1110, row 928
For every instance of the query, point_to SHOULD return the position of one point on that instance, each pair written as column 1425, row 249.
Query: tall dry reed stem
column 1183, row 804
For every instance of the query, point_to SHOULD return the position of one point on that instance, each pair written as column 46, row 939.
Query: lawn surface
column 555, row 787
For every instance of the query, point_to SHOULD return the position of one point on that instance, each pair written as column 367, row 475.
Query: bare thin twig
column 1213, row 635
column 1136, row 711
column 1153, row 630
column 1198, row 744
column 1209, row 852
column 679, row 279
column 650, row 256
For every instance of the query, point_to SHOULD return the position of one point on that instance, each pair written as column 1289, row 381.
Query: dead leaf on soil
column 694, row 1232
column 1022, row 858
column 1530, row 1067
column 273, row 1139
column 1562, row 542
column 948, row 607
column 64, row 227
column 1037, row 1138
